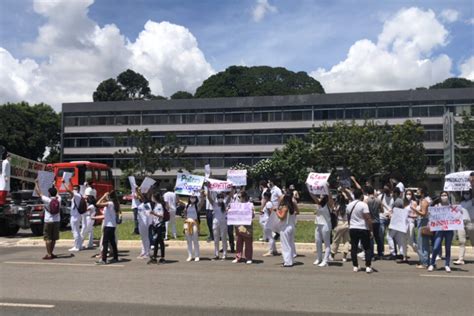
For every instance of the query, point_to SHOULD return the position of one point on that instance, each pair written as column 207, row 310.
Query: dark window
column 82, row 142
column 175, row 119
column 71, row 121
column 69, row 142
column 419, row 111
column 148, row 119
column 216, row 140
column 436, row 111
column 84, row 121
column 96, row 142
column 401, row 112
column 231, row 140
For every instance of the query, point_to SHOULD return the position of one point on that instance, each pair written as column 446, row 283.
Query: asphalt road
column 74, row 285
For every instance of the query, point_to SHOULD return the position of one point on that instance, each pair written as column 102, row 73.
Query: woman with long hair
column 219, row 221
column 286, row 209
column 322, row 231
column 341, row 231
column 143, row 209
column 244, row 236
column 111, row 205
column 191, row 227
column 159, row 227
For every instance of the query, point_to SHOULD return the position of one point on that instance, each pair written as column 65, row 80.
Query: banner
column 399, row 219
column 317, row 183
column 445, row 218
column 45, row 182
column 219, row 186
column 188, row 184
column 237, row 177
column 146, row 184
column 458, row 181
column 25, row 169
column 240, row 214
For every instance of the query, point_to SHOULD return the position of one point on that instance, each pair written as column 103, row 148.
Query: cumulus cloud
column 400, row 59
column 449, row 15
column 467, row 69
column 76, row 54
column 261, row 9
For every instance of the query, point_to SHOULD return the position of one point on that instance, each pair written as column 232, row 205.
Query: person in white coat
column 322, row 232
column 286, row 209
column 87, row 230
column 5, row 174
column 144, row 222
column 75, row 217
column 191, row 227
column 219, row 221
column 467, row 208
column 267, row 230
column 171, row 203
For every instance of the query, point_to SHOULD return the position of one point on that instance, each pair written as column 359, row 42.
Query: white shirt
column 322, row 216
column 401, row 187
column 143, row 214
column 158, row 210
column 355, row 211
column 5, row 173
column 76, row 199
column 135, row 201
column 467, row 211
column 387, row 205
column 276, row 193
column 48, row 218
column 109, row 215
column 192, row 212
column 170, row 198
column 91, row 210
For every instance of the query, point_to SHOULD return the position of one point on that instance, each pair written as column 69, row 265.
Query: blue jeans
column 378, row 239
column 438, row 244
column 423, row 244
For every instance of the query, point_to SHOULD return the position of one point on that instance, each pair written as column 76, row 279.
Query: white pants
column 171, row 222
column 143, row 229
column 322, row 233
column 391, row 244
column 76, row 231
column 219, row 229
column 268, row 234
column 286, row 250
column 292, row 241
column 468, row 230
column 87, row 231
column 411, row 237
column 401, row 240
column 193, row 239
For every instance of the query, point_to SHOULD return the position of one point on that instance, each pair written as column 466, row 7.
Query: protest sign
column 240, row 214
column 45, row 181
column 66, row 179
column 458, row 181
column 147, row 184
column 317, row 183
column 219, row 186
column 399, row 219
column 344, row 177
column 237, row 177
column 133, row 183
column 188, row 184
column 207, row 171
column 25, row 169
column 445, row 218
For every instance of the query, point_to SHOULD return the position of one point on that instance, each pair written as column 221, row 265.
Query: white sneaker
column 331, row 258
column 223, row 258
column 73, row 249
column 295, row 255
column 235, row 260
column 189, row 259
column 248, row 262
column 448, row 269
column 368, row 270
column 458, row 262
column 344, row 259
column 152, row 247
column 196, row 259
column 323, row 264
column 430, row 269
column 355, row 269
column 316, row 262
column 438, row 258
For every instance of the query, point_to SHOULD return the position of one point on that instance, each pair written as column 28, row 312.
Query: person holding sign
column 264, row 221
column 76, row 217
column 322, row 232
column 191, row 227
column 447, row 235
column 468, row 218
column 158, row 226
column 286, row 209
column 219, row 221
column 244, row 235
column 424, row 233
column 144, row 221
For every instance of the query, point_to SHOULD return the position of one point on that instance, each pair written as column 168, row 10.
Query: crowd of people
column 353, row 221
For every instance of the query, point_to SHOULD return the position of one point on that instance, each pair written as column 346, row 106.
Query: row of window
column 211, row 140
column 256, row 116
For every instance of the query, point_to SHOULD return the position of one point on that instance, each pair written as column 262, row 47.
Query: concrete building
column 226, row 131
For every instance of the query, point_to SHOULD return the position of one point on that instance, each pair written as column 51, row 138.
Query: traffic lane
column 396, row 289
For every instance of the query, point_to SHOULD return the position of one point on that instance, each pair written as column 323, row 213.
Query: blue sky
column 301, row 35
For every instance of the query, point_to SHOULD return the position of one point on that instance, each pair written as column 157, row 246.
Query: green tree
column 239, row 81
column 181, row 95
column 292, row 161
column 109, row 90
column 464, row 134
column 27, row 130
column 134, row 85
column 146, row 155
column 454, row 83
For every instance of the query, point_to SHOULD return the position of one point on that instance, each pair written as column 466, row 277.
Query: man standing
column 375, row 208
column 5, row 172
column 75, row 217
column 170, row 199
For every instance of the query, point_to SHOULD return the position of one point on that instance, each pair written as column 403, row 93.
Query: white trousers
column 87, row 230
column 193, row 240
column 219, row 230
column 323, row 234
column 268, row 234
column 401, row 240
column 411, row 237
column 286, row 250
column 76, row 231
column 171, row 222
column 468, row 230
column 143, row 229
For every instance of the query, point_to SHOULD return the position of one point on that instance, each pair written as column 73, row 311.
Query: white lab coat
column 5, row 176
column 144, row 222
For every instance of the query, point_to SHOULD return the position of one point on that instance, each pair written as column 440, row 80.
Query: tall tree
column 239, row 81
column 454, row 83
column 181, row 95
column 464, row 134
column 134, row 85
column 109, row 90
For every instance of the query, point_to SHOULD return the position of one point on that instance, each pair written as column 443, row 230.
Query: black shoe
column 152, row 261
column 114, row 260
column 232, row 251
column 162, row 260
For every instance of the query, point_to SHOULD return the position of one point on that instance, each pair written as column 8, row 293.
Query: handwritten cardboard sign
column 45, row 181
column 458, row 181
column 317, row 183
column 188, row 184
column 240, row 214
column 219, row 186
column 445, row 218
column 237, row 177
column 399, row 219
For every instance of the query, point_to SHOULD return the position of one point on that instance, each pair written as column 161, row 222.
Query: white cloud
column 261, row 9
column 467, row 69
column 470, row 21
column 400, row 59
column 449, row 15
column 77, row 54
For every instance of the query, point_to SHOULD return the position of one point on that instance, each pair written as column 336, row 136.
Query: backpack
column 54, row 207
column 82, row 207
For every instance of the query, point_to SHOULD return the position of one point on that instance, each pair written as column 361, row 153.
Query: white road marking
column 26, row 305
column 448, row 276
column 64, row 264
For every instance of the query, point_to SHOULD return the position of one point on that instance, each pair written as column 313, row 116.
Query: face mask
column 467, row 196
column 444, row 199
column 408, row 197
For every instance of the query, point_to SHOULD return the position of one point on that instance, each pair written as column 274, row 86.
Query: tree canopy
column 181, row 95
column 129, row 85
column 240, row 81
column 454, row 83
column 27, row 130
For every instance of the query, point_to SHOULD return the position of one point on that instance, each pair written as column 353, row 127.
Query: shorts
column 51, row 231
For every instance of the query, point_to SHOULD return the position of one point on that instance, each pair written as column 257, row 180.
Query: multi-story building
column 226, row 131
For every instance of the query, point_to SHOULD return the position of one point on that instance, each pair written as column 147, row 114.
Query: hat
column 88, row 191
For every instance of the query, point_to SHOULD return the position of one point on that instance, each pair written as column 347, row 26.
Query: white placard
column 317, row 183
column 240, row 214
column 66, row 179
column 458, row 181
column 45, row 181
column 133, row 183
column 237, row 177
column 399, row 219
column 82, row 190
column 188, row 184
column 219, row 185
column 445, row 218
column 274, row 223
column 207, row 171
column 147, row 184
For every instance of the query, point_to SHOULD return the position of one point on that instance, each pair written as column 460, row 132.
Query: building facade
column 227, row 131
